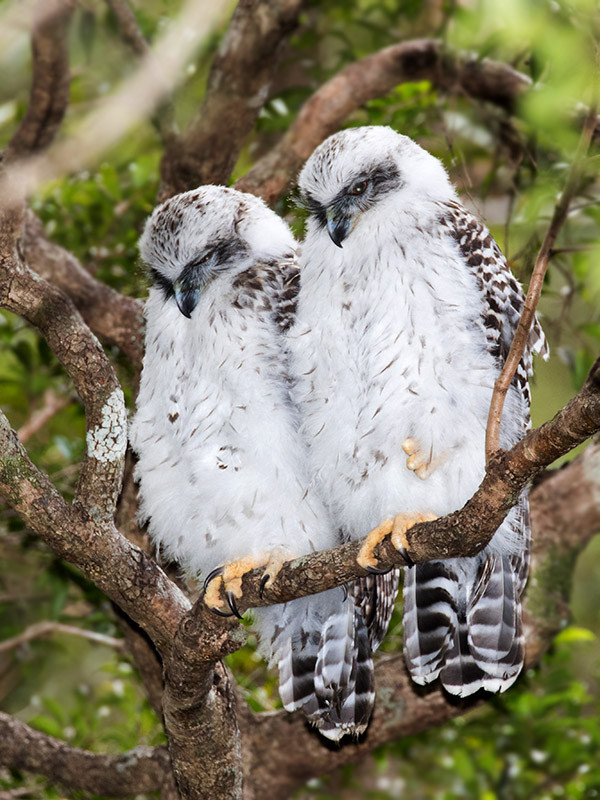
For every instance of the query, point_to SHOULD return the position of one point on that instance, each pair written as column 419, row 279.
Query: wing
column 286, row 286
column 493, row 615
column 503, row 297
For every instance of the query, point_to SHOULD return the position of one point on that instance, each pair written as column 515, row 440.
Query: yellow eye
column 358, row 188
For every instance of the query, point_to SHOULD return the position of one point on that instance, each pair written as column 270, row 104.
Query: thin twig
column 536, row 283
column 163, row 116
column 46, row 627
column 130, row 30
column 52, row 404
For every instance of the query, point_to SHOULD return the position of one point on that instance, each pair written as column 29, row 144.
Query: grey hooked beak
column 186, row 298
column 191, row 281
column 338, row 228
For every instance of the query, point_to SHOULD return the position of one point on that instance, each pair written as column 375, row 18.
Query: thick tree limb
column 49, row 97
column 238, row 87
column 118, row 320
column 565, row 515
column 45, row 306
column 374, row 76
column 534, row 292
column 200, row 709
column 121, row 570
column 144, row 769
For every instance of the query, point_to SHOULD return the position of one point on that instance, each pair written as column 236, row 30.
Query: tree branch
column 565, row 515
column 49, row 97
column 200, row 708
column 203, row 638
column 144, row 769
column 118, row 320
column 46, row 627
column 130, row 30
column 460, row 534
column 534, row 292
column 371, row 77
column 45, row 306
column 114, row 116
column 52, row 404
column 237, row 88
column 163, row 116
column 121, row 570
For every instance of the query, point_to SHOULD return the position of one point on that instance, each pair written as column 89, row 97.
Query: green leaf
column 575, row 634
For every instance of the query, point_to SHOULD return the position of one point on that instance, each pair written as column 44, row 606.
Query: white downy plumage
column 400, row 333
column 222, row 471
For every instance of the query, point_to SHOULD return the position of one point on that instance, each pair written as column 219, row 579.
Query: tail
column 321, row 647
column 375, row 595
column 466, row 631
column 430, row 618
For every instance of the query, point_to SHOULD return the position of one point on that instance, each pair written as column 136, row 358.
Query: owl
column 223, row 474
column 405, row 316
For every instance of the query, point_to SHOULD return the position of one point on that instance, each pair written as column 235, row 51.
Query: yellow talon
column 212, row 593
column 366, row 556
column 403, row 523
column 277, row 558
column 398, row 528
column 417, row 462
column 229, row 580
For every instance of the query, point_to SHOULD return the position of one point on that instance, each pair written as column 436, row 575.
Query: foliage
column 539, row 740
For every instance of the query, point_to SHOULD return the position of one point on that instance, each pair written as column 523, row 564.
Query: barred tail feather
column 430, row 618
column 289, row 638
column 353, row 705
column 461, row 674
column 488, row 649
column 337, row 654
column 320, row 645
column 494, row 619
column 375, row 595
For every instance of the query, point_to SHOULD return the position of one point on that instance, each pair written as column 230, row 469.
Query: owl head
column 196, row 236
column 357, row 170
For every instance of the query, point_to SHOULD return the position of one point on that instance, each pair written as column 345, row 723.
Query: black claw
column 263, row 583
column 232, row 605
column 221, row 613
column 376, row 571
column 404, row 553
column 214, row 574
column 345, row 590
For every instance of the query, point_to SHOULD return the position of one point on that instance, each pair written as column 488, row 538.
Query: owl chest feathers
column 217, row 434
column 400, row 352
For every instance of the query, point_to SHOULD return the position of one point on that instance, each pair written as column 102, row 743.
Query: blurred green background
column 542, row 739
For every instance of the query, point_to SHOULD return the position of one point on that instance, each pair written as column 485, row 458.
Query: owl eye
column 358, row 188
column 206, row 257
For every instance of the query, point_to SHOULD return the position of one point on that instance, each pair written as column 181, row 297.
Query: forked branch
column 462, row 533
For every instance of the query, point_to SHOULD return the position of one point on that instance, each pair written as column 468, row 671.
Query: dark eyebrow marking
column 313, row 206
column 382, row 177
column 163, row 283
